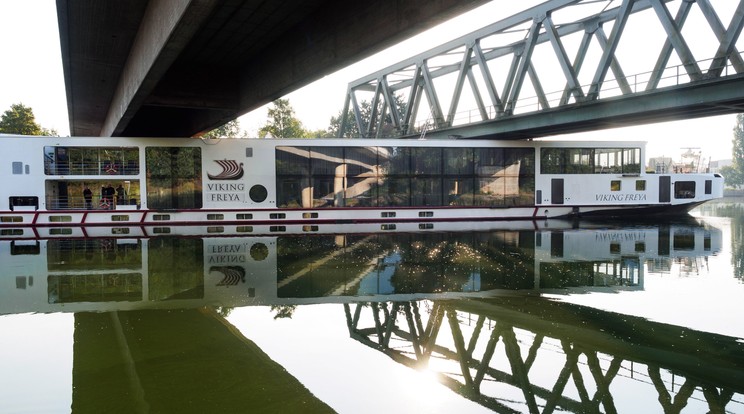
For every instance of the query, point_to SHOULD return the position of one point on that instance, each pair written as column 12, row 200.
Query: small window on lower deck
column 684, row 189
column 615, row 185
column 708, row 186
column 640, row 185
column 60, row 219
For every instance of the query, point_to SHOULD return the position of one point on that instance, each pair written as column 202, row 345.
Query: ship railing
column 105, row 168
column 96, row 203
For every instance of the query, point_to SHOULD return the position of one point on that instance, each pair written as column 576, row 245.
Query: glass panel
column 131, row 161
column 426, row 191
column 50, row 163
column 551, row 161
column 458, row 161
column 292, row 161
column 90, row 161
column 519, row 172
column 526, row 191
column 395, row 191
column 632, row 161
column 579, row 161
column 426, row 161
column 289, row 191
column 361, row 161
column 326, row 160
column 607, row 160
column 489, row 162
column 459, row 191
column 327, row 191
column 111, row 161
column 361, row 192
column 395, row 160
column 76, row 161
column 490, row 191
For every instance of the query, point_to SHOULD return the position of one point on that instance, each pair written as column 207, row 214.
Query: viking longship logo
column 231, row 170
column 231, row 275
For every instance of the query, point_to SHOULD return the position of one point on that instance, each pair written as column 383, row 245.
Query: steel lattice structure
column 494, row 352
column 616, row 75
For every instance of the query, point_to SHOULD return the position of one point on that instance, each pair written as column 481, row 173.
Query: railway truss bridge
column 560, row 67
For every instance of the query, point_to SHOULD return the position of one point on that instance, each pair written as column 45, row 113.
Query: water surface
column 476, row 317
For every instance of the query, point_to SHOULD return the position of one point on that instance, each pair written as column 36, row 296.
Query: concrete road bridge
column 182, row 67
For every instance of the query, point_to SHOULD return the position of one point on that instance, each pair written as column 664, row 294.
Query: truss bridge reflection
column 533, row 354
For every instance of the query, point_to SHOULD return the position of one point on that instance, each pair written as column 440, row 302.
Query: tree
column 282, row 122
column 734, row 174
column 283, row 311
column 229, row 130
column 19, row 119
column 365, row 109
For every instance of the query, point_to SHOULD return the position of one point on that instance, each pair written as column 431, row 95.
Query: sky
column 31, row 73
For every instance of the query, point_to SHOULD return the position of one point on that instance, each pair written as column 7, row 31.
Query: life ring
column 104, row 204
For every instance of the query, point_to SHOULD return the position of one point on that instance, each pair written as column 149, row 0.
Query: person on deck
column 121, row 195
column 88, row 196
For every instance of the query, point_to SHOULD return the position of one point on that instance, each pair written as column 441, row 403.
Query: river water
column 551, row 316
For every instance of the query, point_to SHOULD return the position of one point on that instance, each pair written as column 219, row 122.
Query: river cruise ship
column 54, row 181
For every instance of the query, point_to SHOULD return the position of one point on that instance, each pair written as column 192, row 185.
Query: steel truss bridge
column 495, row 352
column 562, row 66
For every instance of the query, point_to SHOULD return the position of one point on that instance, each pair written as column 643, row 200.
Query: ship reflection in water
column 157, row 324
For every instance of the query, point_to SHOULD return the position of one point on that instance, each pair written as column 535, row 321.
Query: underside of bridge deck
column 164, row 68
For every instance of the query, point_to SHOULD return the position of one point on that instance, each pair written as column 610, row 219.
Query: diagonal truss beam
column 502, row 359
column 480, row 60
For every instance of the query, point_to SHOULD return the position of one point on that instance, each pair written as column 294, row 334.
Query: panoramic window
column 173, row 177
column 91, row 160
column 590, row 160
column 322, row 177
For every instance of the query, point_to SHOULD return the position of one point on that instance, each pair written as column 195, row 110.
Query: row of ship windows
column 212, row 229
column 212, row 216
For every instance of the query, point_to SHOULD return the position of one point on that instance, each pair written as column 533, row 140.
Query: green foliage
column 283, row 311
column 19, row 119
column 365, row 109
column 734, row 174
column 282, row 122
column 228, row 130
